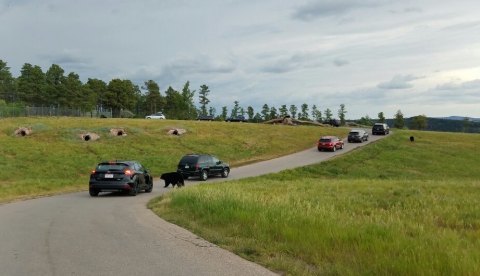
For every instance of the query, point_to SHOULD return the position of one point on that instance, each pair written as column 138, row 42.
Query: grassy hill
column 55, row 159
column 391, row 208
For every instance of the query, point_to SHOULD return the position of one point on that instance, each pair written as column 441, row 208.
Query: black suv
column 239, row 118
column 205, row 118
column 202, row 165
column 128, row 176
column 357, row 135
column 380, row 129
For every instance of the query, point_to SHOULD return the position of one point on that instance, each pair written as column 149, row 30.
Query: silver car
column 357, row 135
column 158, row 115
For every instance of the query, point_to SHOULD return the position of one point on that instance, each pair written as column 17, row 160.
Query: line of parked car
column 131, row 177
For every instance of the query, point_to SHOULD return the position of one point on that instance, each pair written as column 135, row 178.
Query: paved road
column 74, row 234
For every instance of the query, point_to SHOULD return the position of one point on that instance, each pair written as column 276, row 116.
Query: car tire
column 204, row 175
column 334, row 148
column 93, row 192
column 319, row 149
column 149, row 187
column 225, row 172
column 134, row 190
column 341, row 146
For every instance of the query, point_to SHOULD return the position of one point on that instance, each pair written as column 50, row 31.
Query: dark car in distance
column 357, row 135
column 203, row 166
column 127, row 176
column 239, row 118
column 205, row 118
column 332, row 122
column 331, row 143
column 380, row 129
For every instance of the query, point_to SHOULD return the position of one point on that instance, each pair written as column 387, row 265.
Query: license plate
column 186, row 166
column 108, row 175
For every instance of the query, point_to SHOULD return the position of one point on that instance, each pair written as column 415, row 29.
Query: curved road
column 74, row 234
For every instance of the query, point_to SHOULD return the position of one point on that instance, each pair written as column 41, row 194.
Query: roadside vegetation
column 54, row 158
column 394, row 207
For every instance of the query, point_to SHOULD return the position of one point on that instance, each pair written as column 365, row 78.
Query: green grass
column 391, row 208
column 55, row 159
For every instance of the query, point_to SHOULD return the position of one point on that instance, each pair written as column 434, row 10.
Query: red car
column 331, row 143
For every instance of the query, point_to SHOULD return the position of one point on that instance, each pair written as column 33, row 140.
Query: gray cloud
column 326, row 8
column 200, row 65
column 291, row 63
column 398, row 82
column 340, row 62
column 468, row 85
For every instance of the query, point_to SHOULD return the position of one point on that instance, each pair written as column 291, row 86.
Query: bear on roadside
column 173, row 178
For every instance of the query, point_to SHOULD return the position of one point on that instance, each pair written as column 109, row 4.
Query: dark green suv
column 203, row 166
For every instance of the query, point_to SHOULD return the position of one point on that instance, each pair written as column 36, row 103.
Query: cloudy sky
column 422, row 56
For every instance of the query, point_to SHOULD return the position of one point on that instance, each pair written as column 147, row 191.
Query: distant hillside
column 449, row 124
column 460, row 118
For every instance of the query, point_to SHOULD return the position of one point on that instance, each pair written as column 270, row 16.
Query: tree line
column 56, row 88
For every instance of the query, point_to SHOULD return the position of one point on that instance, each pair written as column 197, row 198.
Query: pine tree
column 203, row 99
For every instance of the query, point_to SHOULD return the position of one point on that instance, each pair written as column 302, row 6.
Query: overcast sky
column 422, row 57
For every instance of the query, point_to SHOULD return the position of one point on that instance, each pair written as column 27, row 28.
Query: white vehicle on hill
column 158, row 115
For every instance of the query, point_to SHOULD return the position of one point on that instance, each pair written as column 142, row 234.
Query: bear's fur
column 173, row 178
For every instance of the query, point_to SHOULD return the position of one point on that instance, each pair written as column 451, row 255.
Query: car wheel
column 149, row 187
column 319, row 149
column 225, row 172
column 134, row 190
column 341, row 146
column 334, row 148
column 93, row 192
column 204, row 175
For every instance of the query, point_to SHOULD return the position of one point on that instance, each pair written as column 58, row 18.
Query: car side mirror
column 219, row 162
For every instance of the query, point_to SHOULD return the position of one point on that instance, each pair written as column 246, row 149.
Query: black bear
column 173, row 178
column 412, row 138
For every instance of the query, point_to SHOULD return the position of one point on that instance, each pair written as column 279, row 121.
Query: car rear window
column 325, row 140
column 189, row 159
column 354, row 133
column 111, row 167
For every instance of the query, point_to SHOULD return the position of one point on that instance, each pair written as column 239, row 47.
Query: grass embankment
column 55, row 159
column 391, row 208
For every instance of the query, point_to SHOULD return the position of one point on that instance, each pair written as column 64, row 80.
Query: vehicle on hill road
column 331, row 143
column 158, row 115
column 205, row 118
column 357, row 135
column 203, row 166
column 380, row 129
column 239, row 118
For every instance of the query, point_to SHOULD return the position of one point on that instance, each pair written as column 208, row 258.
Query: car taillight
column 128, row 172
column 197, row 166
column 93, row 172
